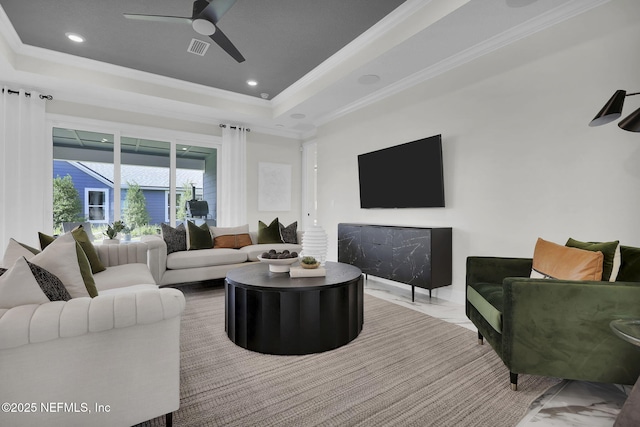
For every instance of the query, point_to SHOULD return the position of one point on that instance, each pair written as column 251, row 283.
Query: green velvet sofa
column 554, row 328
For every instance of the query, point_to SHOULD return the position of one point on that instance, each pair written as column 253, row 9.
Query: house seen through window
column 86, row 188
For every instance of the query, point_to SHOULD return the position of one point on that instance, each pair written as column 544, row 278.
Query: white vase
column 314, row 243
column 110, row 241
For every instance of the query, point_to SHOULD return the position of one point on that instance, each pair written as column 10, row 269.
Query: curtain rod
column 27, row 94
column 233, row 127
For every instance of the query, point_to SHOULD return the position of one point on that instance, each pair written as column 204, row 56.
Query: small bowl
column 282, row 265
column 310, row 266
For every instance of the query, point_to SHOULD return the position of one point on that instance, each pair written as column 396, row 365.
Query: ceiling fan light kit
column 612, row 110
column 203, row 20
column 204, row 27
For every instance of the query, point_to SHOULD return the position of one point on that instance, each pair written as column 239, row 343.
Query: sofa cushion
column 45, row 240
column 254, row 251
column 15, row 250
column 175, row 238
column 232, row 241
column 487, row 299
column 630, row 266
column 65, row 258
column 610, row 251
column 127, row 289
column 123, row 275
column 198, row 237
column 19, row 287
column 83, row 240
column 269, row 233
column 205, row 258
column 289, row 233
column 50, row 284
column 554, row 261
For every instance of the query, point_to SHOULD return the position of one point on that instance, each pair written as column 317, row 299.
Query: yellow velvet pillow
column 232, row 241
column 553, row 261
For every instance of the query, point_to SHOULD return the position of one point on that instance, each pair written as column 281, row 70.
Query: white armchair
column 113, row 360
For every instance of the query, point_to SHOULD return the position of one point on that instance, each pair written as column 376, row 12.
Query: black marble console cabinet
column 416, row 256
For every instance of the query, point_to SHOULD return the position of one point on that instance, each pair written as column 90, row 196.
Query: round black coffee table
column 276, row 314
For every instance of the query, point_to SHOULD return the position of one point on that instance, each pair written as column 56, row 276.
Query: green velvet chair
column 551, row 327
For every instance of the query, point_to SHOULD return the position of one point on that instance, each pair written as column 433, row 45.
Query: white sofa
column 205, row 264
column 112, row 360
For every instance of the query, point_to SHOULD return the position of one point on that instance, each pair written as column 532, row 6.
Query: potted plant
column 127, row 232
column 112, row 231
column 309, row 262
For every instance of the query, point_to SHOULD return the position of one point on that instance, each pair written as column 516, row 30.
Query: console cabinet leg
column 169, row 419
column 480, row 338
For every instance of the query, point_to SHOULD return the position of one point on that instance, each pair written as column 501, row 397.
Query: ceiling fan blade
column 226, row 44
column 216, row 8
column 158, row 18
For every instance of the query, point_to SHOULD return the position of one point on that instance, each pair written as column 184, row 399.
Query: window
column 96, row 206
column 142, row 176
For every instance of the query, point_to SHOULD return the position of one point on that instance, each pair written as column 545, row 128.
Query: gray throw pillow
column 175, row 238
column 289, row 233
column 52, row 287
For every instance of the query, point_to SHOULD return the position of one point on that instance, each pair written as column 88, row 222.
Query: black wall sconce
column 612, row 110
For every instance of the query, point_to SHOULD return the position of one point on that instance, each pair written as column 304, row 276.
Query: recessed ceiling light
column 252, row 83
column 368, row 79
column 75, row 37
column 297, row 116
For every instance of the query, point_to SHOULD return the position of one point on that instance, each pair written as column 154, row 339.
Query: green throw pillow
column 45, row 240
column 198, row 237
column 608, row 249
column 269, row 233
column 85, row 271
column 83, row 240
column 630, row 267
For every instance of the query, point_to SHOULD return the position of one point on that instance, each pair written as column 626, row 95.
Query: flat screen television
column 409, row 175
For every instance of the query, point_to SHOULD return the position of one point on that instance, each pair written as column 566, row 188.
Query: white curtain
column 232, row 209
column 25, row 168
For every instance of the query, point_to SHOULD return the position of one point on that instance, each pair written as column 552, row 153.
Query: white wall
column 271, row 149
column 520, row 161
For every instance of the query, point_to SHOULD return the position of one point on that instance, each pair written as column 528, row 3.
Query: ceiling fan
column 206, row 15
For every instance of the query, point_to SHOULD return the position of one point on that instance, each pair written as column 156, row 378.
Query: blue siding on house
column 156, row 205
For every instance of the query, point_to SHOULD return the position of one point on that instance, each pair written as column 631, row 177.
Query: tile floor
column 570, row 403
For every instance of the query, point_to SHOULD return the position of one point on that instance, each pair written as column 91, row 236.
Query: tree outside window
column 67, row 206
column 135, row 213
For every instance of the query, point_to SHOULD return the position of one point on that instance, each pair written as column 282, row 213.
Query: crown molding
column 539, row 23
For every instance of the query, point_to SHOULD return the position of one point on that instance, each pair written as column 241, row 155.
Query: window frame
column 106, row 206
column 118, row 129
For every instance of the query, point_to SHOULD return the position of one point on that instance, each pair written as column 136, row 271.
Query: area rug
column 404, row 369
